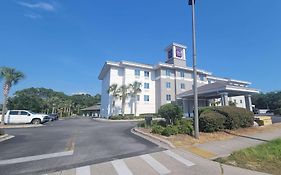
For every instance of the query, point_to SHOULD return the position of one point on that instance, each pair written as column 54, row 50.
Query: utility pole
column 196, row 120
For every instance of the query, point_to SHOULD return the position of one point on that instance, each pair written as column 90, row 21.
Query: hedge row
column 182, row 126
column 132, row 116
column 211, row 121
column 224, row 117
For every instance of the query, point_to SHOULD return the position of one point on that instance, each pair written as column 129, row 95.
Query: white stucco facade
column 161, row 83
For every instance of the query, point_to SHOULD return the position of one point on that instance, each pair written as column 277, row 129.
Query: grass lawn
column 264, row 158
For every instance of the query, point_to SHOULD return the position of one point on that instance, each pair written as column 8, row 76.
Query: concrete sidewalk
column 226, row 147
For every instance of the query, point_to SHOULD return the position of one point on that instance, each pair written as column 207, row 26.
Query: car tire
column 36, row 121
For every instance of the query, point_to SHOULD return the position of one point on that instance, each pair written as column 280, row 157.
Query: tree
column 11, row 77
column 171, row 112
column 50, row 101
column 123, row 94
column 113, row 90
column 136, row 89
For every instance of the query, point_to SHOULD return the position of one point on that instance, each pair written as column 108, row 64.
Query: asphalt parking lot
column 69, row 143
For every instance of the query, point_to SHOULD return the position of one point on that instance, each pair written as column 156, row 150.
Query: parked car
column 53, row 117
column 24, row 116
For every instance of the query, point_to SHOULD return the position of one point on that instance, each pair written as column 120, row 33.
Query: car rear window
column 23, row 113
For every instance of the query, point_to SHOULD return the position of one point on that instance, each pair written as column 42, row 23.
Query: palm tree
column 11, row 77
column 123, row 94
column 136, row 89
column 113, row 90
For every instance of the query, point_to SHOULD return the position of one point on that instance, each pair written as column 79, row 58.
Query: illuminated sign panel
column 178, row 52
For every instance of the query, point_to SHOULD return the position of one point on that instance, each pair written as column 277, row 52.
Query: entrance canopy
column 215, row 90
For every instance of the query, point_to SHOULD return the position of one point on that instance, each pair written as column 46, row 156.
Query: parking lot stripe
column 38, row 157
column 121, row 168
column 85, row 170
column 178, row 158
column 157, row 166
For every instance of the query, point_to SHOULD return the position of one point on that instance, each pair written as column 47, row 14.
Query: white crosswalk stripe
column 85, row 170
column 121, row 168
column 161, row 169
column 178, row 158
column 126, row 166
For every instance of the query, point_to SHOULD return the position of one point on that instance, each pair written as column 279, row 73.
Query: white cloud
column 39, row 5
column 33, row 16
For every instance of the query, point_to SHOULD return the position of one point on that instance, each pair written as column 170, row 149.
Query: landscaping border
column 6, row 137
column 158, row 139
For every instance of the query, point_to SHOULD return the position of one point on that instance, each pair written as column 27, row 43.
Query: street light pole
column 196, row 122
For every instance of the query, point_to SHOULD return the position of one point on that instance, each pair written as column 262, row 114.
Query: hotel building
column 168, row 82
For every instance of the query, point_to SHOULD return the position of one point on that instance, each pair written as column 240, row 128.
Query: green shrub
column 141, row 124
column 160, row 122
column 185, row 127
column 211, row 121
column 125, row 117
column 170, row 130
column 236, row 117
column 204, row 109
column 171, row 112
column 149, row 114
column 157, row 129
column 277, row 111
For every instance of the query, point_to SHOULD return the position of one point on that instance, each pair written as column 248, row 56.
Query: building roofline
column 175, row 44
column 105, row 68
column 178, row 67
column 229, row 80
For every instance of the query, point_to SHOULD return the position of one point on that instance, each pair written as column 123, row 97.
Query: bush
column 277, row 111
column 236, row 117
column 148, row 114
column 211, row 121
column 204, row 109
column 160, row 122
column 171, row 112
column 142, row 124
column 157, row 129
column 125, row 117
column 170, row 130
column 185, row 127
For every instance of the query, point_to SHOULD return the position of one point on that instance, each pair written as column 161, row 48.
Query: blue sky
column 63, row 44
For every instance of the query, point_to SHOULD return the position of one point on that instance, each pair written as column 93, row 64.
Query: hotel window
column 137, row 72
column 182, row 74
column 146, row 85
column 146, row 97
column 168, row 85
column 138, row 97
column 201, row 77
column 168, row 72
column 182, row 86
column 241, row 101
column 168, row 97
column 146, row 73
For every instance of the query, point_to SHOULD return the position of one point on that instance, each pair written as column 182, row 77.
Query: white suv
column 23, row 116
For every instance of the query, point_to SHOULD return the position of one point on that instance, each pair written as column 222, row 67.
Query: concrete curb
column 21, row 126
column 5, row 137
column 144, row 135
